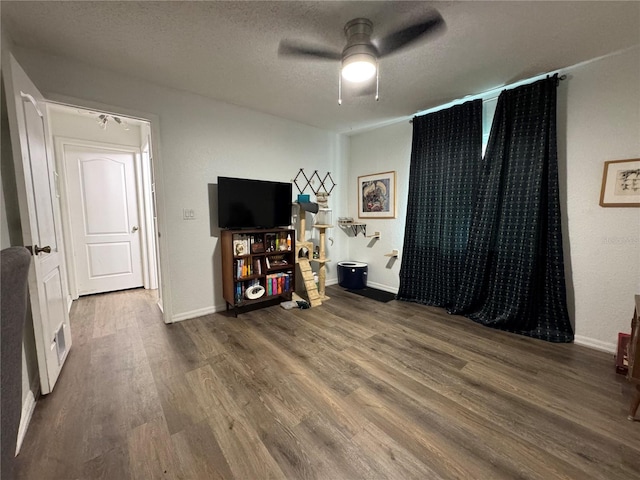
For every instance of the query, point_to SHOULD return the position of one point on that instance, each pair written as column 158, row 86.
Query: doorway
column 106, row 189
column 103, row 217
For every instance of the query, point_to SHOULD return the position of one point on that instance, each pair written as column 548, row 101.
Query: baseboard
column 595, row 344
column 201, row 312
column 380, row 286
column 219, row 308
column 28, row 407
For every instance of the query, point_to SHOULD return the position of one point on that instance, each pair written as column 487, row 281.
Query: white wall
column 199, row 139
column 10, row 228
column 602, row 123
column 598, row 120
column 7, row 171
column 5, row 240
column 380, row 150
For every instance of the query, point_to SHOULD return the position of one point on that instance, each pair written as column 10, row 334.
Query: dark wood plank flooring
column 353, row 389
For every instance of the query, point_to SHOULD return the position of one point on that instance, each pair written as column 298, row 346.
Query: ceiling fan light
column 359, row 67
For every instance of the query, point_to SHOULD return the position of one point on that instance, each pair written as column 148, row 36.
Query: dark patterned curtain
column 513, row 274
column 445, row 158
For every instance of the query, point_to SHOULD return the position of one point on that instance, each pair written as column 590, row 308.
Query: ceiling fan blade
column 432, row 24
column 293, row 48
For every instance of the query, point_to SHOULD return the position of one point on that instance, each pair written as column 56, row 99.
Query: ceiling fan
column 360, row 56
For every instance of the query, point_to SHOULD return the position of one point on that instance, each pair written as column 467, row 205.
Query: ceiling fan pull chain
column 377, row 79
column 339, row 88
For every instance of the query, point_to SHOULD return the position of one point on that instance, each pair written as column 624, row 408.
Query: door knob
column 38, row 249
column 46, row 249
column 134, row 229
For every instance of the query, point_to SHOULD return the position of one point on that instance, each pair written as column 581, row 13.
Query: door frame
column 164, row 284
column 146, row 224
column 146, row 159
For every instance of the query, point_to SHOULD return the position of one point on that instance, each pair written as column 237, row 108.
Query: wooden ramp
column 309, row 284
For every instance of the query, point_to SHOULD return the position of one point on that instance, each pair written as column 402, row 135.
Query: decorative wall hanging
column 377, row 195
column 301, row 181
column 621, row 183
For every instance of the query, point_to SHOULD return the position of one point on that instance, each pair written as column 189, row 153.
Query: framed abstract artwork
column 377, row 195
column 621, row 183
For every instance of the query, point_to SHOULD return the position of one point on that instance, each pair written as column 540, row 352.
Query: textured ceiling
column 228, row 50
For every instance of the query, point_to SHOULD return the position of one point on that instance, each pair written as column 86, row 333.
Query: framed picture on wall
column 621, row 183
column 377, row 195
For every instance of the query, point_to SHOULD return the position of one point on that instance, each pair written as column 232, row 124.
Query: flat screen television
column 245, row 203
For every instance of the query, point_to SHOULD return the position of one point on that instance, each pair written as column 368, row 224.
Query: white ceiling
column 228, row 50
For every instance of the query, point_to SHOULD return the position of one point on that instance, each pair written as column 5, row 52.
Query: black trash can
column 352, row 275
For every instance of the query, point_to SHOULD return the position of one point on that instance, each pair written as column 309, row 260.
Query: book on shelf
column 278, row 283
column 244, row 268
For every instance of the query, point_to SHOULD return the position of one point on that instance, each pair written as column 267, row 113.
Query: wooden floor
column 352, row 389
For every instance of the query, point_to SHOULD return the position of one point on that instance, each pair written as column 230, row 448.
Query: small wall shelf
column 393, row 254
column 356, row 227
column 375, row 235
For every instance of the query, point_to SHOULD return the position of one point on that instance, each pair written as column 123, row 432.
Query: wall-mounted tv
column 245, row 203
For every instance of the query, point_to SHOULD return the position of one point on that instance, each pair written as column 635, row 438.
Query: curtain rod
column 560, row 78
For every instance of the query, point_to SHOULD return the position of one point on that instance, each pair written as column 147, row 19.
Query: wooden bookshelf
column 264, row 257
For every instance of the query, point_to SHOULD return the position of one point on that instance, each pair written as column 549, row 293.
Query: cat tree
column 304, row 256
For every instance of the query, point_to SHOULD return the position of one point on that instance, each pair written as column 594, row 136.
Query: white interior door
column 40, row 221
column 103, row 212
